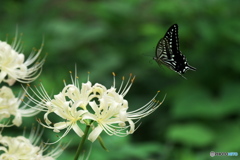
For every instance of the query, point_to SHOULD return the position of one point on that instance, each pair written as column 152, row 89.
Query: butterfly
column 168, row 53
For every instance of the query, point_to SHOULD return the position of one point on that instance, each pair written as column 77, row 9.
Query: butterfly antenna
column 182, row 76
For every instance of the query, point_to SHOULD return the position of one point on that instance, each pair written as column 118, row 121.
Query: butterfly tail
column 191, row 68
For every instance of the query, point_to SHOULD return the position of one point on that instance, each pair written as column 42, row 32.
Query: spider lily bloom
column 69, row 105
column 95, row 105
column 10, row 106
column 110, row 111
column 23, row 148
column 14, row 67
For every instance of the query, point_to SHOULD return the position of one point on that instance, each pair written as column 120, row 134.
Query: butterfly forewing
column 172, row 38
column 168, row 53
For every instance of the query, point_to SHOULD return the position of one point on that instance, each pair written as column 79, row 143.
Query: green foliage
column 199, row 115
column 194, row 135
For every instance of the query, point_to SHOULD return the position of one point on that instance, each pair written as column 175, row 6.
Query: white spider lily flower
column 110, row 112
column 104, row 109
column 15, row 67
column 69, row 105
column 11, row 106
column 22, row 148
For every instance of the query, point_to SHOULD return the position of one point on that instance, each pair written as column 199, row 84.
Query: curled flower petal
column 95, row 133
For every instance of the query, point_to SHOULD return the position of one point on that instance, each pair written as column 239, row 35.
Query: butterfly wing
column 164, row 54
column 181, row 64
column 168, row 53
column 172, row 38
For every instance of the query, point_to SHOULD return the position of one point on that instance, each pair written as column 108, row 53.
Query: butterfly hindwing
column 168, row 53
column 164, row 54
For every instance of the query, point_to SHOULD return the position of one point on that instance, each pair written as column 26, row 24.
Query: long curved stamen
column 129, row 86
column 120, row 88
column 64, row 134
column 147, row 109
column 126, row 86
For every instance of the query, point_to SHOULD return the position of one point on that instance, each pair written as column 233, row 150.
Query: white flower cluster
column 17, row 148
column 77, row 105
column 104, row 109
column 14, row 67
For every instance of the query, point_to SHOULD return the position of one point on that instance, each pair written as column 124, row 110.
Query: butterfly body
column 168, row 53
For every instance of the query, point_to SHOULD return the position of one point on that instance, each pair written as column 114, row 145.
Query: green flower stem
column 82, row 142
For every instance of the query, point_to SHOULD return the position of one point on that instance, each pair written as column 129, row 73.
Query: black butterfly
column 168, row 53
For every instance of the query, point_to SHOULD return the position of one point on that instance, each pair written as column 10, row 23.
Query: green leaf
column 193, row 134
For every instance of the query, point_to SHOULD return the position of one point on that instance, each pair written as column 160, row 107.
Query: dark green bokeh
column 199, row 115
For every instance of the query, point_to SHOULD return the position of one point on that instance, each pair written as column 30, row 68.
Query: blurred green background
column 199, row 115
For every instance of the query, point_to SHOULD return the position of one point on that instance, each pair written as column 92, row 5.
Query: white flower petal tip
column 15, row 67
